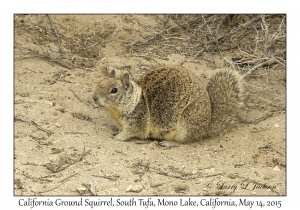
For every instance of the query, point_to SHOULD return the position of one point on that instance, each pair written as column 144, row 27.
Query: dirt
column 63, row 142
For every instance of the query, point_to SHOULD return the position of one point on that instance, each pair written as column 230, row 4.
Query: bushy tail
column 225, row 92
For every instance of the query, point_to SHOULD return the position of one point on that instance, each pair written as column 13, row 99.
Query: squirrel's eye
column 114, row 90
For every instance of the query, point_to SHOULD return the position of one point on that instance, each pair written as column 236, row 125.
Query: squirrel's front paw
column 120, row 137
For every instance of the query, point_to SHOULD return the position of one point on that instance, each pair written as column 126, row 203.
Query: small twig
column 32, row 164
column 86, row 48
column 36, row 125
column 41, row 179
column 19, row 100
column 30, row 177
column 88, row 104
column 150, row 30
column 232, row 65
column 57, row 38
column 65, row 179
column 62, row 182
column 95, row 155
column 112, row 177
column 166, row 20
column 279, row 37
column 262, row 118
column 25, row 69
column 277, row 60
column 257, row 66
column 42, row 129
column 74, row 132
column 91, row 188
column 205, row 22
column 280, row 26
column 82, row 155
column 218, row 174
column 266, row 38
column 279, row 153
column 250, row 55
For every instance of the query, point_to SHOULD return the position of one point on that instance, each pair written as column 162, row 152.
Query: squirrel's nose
column 95, row 98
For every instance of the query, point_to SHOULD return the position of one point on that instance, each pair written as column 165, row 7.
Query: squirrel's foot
column 116, row 133
column 121, row 136
column 168, row 144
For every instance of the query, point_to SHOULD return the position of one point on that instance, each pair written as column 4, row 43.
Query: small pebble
column 55, row 113
column 209, row 170
column 232, row 176
column 180, row 188
column 129, row 165
column 82, row 190
column 100, row 188
column 46, row 143
column 128, row 189
column 52, row 159
column 136, row 188
column 153, row 144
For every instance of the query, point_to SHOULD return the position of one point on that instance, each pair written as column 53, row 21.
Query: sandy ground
column 63, row 142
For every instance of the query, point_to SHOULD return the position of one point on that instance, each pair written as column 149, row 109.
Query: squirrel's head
column 113, row 93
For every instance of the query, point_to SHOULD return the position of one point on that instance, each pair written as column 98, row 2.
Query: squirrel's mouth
column 96, row 100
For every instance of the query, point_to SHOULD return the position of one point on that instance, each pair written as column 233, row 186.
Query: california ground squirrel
column 171, row 104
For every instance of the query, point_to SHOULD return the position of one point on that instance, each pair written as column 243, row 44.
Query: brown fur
column 170, row 103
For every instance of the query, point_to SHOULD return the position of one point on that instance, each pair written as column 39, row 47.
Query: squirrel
column 171, row 104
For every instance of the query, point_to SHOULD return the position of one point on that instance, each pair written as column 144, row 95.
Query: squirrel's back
column 178, row 104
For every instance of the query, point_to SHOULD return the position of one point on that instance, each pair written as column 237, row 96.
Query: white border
column 8, row 8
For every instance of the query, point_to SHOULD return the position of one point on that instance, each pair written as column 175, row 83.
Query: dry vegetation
column 257, row 41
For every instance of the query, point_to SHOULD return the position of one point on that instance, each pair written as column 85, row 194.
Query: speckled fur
column 226, row 95
column 170, row 103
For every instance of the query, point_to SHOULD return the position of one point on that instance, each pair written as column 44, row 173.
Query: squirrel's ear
column 125, row 80
column 112, row 74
